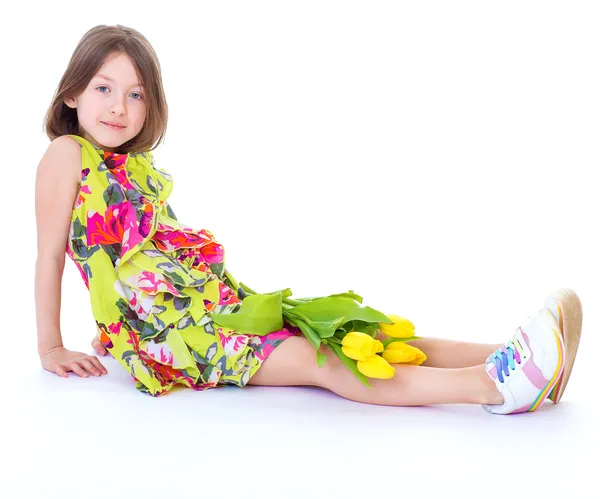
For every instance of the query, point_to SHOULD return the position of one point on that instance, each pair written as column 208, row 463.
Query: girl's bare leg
column 293, row 363
column 450, row 353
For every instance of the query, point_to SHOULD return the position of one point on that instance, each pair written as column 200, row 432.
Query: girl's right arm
column 56, row 188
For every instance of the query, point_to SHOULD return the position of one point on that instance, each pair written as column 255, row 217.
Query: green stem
column 247, row 289
column 313, row 338
column 236, row 285
column 290, row 301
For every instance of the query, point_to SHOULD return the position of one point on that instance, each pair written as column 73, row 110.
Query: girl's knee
column 292, row 363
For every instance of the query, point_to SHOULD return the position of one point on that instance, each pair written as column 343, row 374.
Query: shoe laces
column 504, row 358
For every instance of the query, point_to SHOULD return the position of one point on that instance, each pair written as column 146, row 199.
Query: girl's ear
column 71, row 102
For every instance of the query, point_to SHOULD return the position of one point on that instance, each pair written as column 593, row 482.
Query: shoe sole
column 545, row 393
column 570, row 316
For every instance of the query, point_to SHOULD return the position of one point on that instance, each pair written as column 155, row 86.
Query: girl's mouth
column 113, row 127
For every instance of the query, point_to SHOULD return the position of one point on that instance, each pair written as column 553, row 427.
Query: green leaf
column 350, row 294
column 321, row 359
column 259, row 314
column 325, row 329
column 332, row 307
column 312, row 337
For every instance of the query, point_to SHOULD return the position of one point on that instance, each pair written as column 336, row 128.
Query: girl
column 165, row 306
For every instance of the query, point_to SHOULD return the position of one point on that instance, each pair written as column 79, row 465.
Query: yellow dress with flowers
column 153, row 280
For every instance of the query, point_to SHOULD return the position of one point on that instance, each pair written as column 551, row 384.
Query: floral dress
column 153, row 280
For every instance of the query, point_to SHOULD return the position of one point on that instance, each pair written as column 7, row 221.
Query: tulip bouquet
column 339, row 321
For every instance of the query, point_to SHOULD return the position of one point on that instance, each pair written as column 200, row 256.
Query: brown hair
column 95, row 47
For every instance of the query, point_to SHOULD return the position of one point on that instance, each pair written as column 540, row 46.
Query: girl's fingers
column 98, row 365
column 78, row 370
column 89, row 367
column 61, row 372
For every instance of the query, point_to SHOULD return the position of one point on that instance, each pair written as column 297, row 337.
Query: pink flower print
column 152, row 283
column 115, row 327
column 234, row 343
column 140, row 302
column 115, row 162
column 160, row 352
column 204, row 246
column 266, row 347
column 134, row 341
column 85, row 189
column 226, row 295
column 111, row 227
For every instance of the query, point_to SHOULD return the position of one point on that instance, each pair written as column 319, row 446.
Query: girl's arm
column 56, row 188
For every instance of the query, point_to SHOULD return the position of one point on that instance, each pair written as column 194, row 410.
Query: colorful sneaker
column 526, row 368
column 565, row 306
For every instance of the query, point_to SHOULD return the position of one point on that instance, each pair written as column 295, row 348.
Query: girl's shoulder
column 66, row 152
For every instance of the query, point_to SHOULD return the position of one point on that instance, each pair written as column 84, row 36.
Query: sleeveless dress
column 152, row 280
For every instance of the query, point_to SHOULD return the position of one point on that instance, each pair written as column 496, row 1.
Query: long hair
column 95, row 47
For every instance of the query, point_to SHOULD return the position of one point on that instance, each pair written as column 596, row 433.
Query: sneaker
column 565, row 306
column 526, row 368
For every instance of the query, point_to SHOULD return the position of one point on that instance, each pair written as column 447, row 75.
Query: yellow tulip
column 401, row 327
column 360, row 346
column 421, row 357
column 376, row 367
column 399, row 352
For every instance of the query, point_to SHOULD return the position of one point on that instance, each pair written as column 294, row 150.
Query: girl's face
column 114, row 97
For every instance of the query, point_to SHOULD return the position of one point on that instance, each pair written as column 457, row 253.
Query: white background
column 438, row 158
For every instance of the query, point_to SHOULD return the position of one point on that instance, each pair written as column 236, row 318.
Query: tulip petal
column 376, row 367
column 401, row 327
column 354, row 353
column 420, row 358
column 401, row 353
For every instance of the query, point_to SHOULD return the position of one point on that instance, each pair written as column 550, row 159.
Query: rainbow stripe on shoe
column 557, row 388
column 527, row 368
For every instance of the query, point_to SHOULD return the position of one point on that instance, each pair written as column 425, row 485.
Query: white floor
column 100, row 438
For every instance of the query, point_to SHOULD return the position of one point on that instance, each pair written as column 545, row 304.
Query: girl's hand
column 59, row 360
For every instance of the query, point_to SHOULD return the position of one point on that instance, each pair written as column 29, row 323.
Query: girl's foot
column 526, row 368
column 566, row 309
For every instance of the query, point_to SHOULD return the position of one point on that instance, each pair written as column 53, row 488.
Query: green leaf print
column 78, row 229
column 127, row 313
column 149, row 331
column 113, row 195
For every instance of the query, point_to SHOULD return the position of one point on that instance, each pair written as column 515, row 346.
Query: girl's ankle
column 490, row 392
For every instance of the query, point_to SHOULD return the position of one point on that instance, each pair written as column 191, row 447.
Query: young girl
column 164, row 304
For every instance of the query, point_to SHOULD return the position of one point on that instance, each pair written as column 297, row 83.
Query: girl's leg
column 449, row 353
column 293, row 363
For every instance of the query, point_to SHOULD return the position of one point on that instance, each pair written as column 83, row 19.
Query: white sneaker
column 565, row 306
column 526, row 368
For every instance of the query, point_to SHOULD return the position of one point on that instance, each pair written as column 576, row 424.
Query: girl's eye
column 104, row 86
